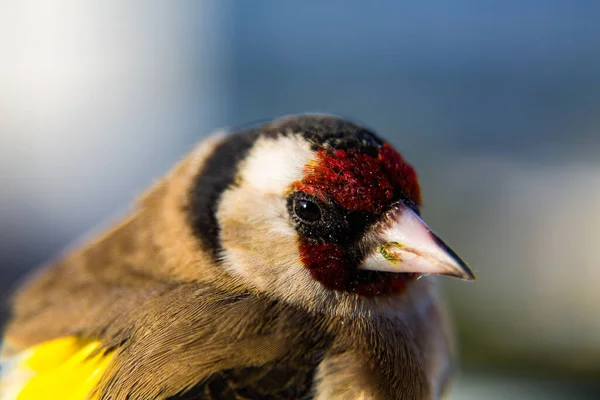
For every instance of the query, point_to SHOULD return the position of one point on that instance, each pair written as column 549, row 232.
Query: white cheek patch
column 259, row 203
column 274, row 164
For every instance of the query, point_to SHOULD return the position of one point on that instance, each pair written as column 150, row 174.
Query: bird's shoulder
column 198, row 340
column 211, row 341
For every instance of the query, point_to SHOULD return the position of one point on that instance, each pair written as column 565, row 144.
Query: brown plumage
column 203, row 292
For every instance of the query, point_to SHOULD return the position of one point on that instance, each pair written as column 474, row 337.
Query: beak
column 405, row 244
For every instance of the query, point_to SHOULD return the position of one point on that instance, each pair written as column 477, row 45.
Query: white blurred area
column 97, row 99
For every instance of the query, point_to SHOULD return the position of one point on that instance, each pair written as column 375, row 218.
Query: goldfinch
column 281, row 261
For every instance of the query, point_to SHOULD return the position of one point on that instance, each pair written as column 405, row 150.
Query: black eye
column 307, row 210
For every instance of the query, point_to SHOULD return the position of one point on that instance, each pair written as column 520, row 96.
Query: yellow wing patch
column 66, row 368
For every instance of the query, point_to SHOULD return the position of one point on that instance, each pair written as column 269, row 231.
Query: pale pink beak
column 405, row 244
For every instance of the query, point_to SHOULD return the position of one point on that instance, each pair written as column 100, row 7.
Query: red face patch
column 401, row 174
column 328, row 263
column 355, row 181
column 359, row 182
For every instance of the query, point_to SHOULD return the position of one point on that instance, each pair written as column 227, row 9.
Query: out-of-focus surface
column 496, row 103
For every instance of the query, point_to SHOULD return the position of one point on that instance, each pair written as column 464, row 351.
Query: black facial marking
column 216, row 176
column 334, row 225
column 368, row 139
column 325, row 131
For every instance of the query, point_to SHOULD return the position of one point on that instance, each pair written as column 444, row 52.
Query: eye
column 307, row 210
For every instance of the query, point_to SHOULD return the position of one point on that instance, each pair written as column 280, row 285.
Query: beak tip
column 465, row 272
column 470, row 276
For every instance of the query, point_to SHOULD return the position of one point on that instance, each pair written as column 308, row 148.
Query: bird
column 286, row 259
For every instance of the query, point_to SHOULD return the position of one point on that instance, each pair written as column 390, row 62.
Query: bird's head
column 314, row 206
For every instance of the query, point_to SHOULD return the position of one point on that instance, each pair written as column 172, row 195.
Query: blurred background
column 497, row 104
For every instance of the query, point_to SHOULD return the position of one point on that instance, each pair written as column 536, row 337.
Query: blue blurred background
column 497, row 104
